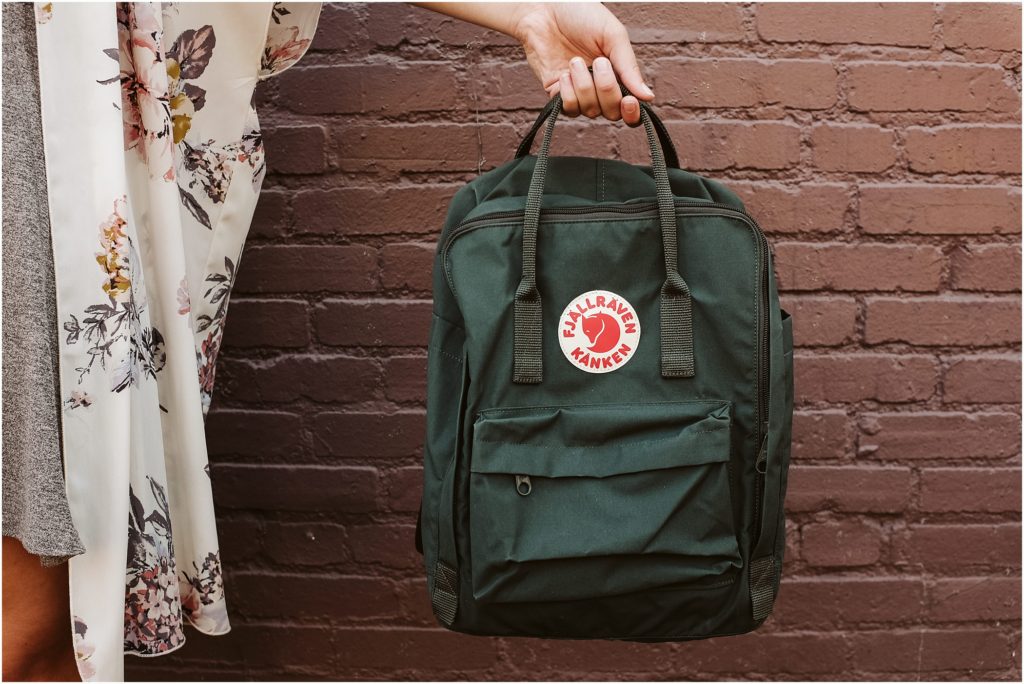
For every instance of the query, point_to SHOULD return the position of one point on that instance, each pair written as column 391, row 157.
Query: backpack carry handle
column 667, row 147
column 676, row 304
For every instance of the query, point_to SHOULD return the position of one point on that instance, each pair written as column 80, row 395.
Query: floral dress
column 154, row 164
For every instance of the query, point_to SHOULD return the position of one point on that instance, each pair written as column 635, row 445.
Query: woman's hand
column 560, row 40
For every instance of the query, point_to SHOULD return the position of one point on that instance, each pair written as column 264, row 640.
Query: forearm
column 504, row 17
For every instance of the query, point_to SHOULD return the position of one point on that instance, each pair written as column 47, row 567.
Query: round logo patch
column 599, row 331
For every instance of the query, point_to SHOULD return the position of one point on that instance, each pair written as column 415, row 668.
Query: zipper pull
column 761, row 464
column 523, row 486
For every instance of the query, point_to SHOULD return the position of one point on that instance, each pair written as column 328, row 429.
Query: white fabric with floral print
column 154, row 165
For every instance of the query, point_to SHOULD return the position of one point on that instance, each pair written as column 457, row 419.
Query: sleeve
column 289, row 33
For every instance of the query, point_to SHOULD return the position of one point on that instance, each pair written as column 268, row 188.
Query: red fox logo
column 599, row 331
column 603, row 332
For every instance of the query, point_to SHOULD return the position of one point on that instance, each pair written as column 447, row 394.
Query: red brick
column 927, row 650
column 272, row 217
column 853, row 147
column 869, row 24
column 929, row 87
column 831, row 602
column 417, row 651
column 982, row 490
column 805, row 208
column 791, row 555
column 296, row 149
column 983, row 379
column 403, row 488
column 725, row 82
column 392, row 546
column 370, row 436
column 938, row 435
column 970, row 599
column 839, row 378
column 847, row 543
column 704, row 22
column 943, row 321
column 240, row 541
column 169, row 669
column 415, row 602
column 857, row 489
column 821, row 435
column 319, row 378
column 939, row 209
column 247, row 326
column 256, row 436
column 981, row 25
column 387, row 323
column 405, row 378
column 990, row 268
column 392, row 24
column 338, row 28
column 308, row 268
column 423, row 146
column 407, row 267
column 961, row 148
column 721, row 145
column 305, row 544
column 947, row 548
column 296, row 488
column 264, row 595
column 504, row 85
column 794, row 654
column 417, row 209
column 582, row 137
column 803, row 266
column 381, row 89
column 822, row 321
column 545, row 657
column 288, row 651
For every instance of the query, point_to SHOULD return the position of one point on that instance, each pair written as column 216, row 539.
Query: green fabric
column 676, row 311
column 644, row 516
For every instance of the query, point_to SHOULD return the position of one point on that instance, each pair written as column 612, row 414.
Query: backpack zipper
column 690, row 207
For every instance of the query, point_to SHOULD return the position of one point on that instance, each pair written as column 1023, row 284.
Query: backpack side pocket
column 766, row 559
column 446, row 385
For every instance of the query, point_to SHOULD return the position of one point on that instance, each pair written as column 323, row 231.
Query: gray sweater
column 35, row 504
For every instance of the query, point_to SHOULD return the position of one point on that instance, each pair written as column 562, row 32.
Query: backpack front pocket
column 578, row 502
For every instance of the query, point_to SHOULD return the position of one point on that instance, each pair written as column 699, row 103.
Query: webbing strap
column 762, row 586
column 671, row 156
column 526, row 345
column 444, row 595
column 676, row 304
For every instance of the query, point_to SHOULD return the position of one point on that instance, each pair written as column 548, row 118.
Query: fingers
column 570, row 104
column 609, row 95
column 583, row 85
column 631, row 110
column 620, row 52
column 598, row 94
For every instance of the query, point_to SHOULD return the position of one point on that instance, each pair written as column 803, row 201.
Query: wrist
column 528, row 20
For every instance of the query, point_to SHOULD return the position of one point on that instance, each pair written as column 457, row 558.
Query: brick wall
column 880, row 147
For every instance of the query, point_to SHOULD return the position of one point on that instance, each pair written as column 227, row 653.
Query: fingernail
column 601, row 64
column 648, row 91
column 578, row 62
column 629, row 106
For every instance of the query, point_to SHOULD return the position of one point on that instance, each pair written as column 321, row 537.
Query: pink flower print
column 277, row 58
column 144, row 90
column 184, row 302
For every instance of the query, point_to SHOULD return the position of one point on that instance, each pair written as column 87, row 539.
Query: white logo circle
column 599, row 331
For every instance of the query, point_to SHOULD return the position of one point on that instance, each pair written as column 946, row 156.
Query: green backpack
column 609, row 403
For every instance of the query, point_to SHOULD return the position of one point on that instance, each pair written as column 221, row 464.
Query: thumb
column 620, row 53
